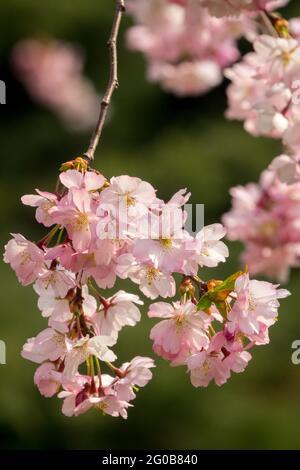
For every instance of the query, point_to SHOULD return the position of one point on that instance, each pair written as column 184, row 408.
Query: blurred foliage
column 172, row 143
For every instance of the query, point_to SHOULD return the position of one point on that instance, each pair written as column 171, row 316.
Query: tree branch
column 113, row 80
column 268, row 24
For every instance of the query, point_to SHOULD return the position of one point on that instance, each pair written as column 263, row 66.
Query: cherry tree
column 101, row 229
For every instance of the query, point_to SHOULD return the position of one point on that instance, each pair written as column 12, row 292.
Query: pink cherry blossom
column 57, row 310
column 44, row 202
column 207, row 249
column 47, row 379
column 286, row 168
column 235, row 7
column 186, row 49
column 116, row 312
column 80, row 402
column 152, row 280
column 188, row 78
column 108, row 230
column 128, row 193
column 217, row 362
column 47, row 345
column 262, row 92
column 135, row 373
column 56, row 281
column 90, row 181
column 25, row 258
column 83, row 256
column 255, row 307
column 76, row 212
column 52, row 73
column 182, row 331
column 164, row 238
column 272, row 238
column 83, row 348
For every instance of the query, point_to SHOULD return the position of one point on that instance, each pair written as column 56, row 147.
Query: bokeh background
column 173, row 143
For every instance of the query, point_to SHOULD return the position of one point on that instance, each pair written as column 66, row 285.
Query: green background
column 172, row 143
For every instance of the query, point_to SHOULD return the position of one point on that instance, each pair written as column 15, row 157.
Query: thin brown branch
column 113, row 80
column 268, row 24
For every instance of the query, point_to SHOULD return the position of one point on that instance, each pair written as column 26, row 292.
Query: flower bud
column 79, row 164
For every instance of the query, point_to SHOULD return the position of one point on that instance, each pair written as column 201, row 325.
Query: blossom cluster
column 185, row 47
column 264, row 94
column 52, row 73
column 272, row 239
column 243, row 311
column 188, row 43
column 236, row 7
column 99, row 231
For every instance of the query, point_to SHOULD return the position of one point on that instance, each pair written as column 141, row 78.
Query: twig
column 113, row 80
column 268, row 24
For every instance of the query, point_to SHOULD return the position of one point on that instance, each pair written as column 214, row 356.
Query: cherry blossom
column 44, row 202
column 207, row 249
column 47, row 379
column 48, row 345
column 85, row 347
column 101, row 231
column 181, row 331
column 272, row 239
column 116, row 312
column 25, row 258
column 135, row 373
column 263, row 87
column 286, row 168
column 235, row 7
column 256, row 306
column 52, row 73
column 186, row 48
column 81, row 256
column 78, row 401
column 152, row 280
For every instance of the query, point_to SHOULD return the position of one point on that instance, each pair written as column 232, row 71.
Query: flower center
column 82, row 221
column 130, row 201
column 59, row 340
column 102, row 406
column 180, row 321
column 25, row 257
column 51, row 279
column 205, row 367
column 286, row 57
column 166, row 242
column 47, row 205
column 269, row 228
column 251, row 302
column 204, row 251
column 151, row 274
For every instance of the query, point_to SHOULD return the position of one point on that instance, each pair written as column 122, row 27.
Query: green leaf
column 229, row 283
column 204, row 303
column 223, row 308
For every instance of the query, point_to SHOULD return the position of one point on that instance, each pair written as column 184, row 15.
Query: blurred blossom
column 52, row 73
column 265, row 217
column 185, row 47
column 265, row 88
column 236, row 7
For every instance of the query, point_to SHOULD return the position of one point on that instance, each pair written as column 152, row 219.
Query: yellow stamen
column 151, row 274
column 166, row 242
column 130, row 201
column 82, row 221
